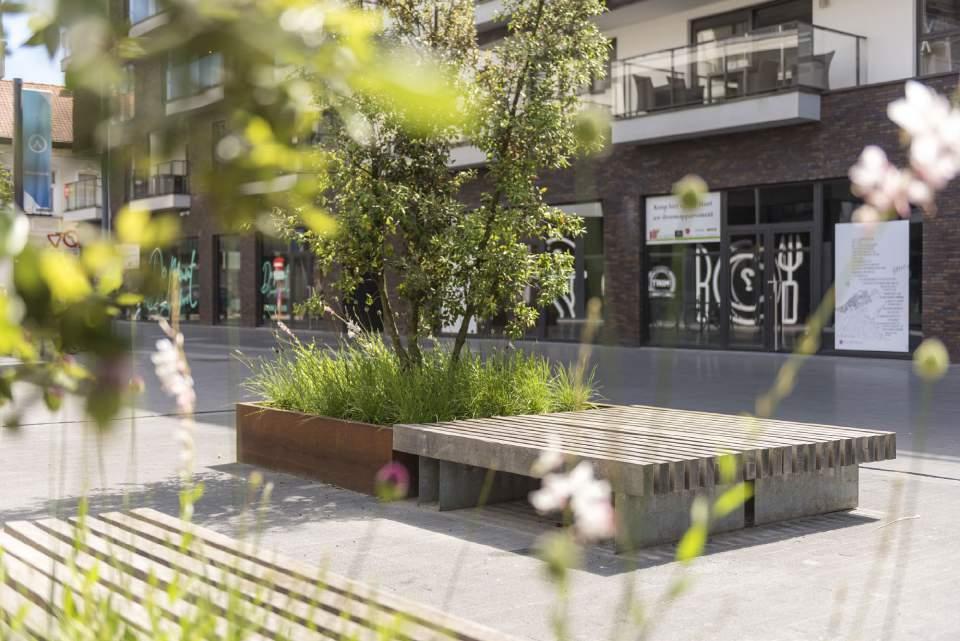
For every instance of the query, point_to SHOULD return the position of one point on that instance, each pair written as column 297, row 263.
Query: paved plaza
column 879, row 572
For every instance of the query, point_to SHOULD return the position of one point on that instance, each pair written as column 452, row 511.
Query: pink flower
column 392, row 482
column 933, row 127
column 883, row 186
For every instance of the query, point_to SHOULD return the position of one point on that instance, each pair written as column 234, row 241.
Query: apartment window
column 191, row 76
column 737, row 23
column 600, row 85
column 939, row 36
column 140, row 10
column 124, row 101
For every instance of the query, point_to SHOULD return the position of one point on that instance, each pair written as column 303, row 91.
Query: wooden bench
column 656, row 459
column 141, row 553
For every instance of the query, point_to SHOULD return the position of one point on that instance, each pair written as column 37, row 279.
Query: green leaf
column 67, row 282
column 692, row 544
column 732, row 499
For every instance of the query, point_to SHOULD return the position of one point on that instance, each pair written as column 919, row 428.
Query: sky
column 30, row 63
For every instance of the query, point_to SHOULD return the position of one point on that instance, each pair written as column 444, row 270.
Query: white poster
column 873, row 286
column 668, row 223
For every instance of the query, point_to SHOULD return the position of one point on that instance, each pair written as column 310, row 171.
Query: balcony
column 166, row 188
column 145, row 16
column 765, row 78
column 83, row 200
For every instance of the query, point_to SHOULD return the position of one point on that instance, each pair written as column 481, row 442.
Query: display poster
column 873, row 286
column 668, row 223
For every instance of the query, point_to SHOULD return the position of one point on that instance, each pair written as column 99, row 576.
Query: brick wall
column 850, row 119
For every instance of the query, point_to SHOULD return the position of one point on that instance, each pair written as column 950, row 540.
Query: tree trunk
column 505, row 142
column 390, row 321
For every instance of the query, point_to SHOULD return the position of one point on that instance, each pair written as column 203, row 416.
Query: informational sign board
column 668, row 223
column 873, row 286
column 37, row 143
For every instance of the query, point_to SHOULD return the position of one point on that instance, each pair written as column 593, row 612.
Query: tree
column 401, row 219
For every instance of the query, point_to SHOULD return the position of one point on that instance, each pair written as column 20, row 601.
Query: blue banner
column 37, row 141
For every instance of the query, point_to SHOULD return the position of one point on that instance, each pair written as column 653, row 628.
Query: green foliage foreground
column 364, row 380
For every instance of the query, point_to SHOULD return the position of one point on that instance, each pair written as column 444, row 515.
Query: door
column 770, row 286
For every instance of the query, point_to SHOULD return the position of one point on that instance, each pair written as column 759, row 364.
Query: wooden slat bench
column 139, row 554
column 657, row 460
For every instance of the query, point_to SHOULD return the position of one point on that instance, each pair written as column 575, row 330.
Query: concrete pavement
column 848, row 575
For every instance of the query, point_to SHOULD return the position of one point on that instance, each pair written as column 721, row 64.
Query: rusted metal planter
column 343, row 453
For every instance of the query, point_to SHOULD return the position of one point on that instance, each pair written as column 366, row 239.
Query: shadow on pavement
column 230, row 505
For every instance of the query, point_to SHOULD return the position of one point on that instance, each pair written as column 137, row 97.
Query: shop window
column 839, row 204
column 228, row 279
column 564, row 320
column 178, row 263
column 683, row 294
column 786, row 203
column 282, row 291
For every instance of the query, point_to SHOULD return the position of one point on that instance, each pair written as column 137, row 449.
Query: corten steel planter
column 343, row 453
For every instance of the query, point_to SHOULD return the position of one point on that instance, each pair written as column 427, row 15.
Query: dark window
column 786, row 203
column 228, row 279
column 742, row 207
column 565, row 319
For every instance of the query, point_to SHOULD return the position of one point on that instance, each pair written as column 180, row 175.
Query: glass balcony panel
column 762, row 61
column 167, row 178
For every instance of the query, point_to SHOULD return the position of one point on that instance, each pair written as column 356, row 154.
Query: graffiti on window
column 185, row 272
column 273, row 289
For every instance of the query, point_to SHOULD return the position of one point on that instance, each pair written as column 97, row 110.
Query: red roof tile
column 62, row 110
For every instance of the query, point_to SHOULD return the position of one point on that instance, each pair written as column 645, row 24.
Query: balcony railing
column 788, row 56
column 167, row 178
column 83, row 194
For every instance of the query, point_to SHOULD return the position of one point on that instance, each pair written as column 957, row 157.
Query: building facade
column 770, row 103
column 74, row 196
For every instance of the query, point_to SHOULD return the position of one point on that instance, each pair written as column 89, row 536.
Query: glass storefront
column 758, row 286
column 180, row 263
column 228, row 279
column 564, row 320
column 281, row 291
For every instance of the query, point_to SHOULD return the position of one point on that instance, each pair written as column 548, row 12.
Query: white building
column 75, row 181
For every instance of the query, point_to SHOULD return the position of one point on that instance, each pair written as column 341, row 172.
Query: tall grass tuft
column 363, row 380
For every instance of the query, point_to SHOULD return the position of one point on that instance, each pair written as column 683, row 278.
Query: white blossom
column 884, row 186
column 173, row 373
column 932, row 125
column 549, row 460
column 587, row 497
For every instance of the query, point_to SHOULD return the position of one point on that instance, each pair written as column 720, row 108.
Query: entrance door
column 771, row 286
